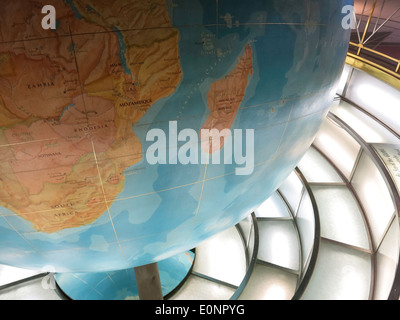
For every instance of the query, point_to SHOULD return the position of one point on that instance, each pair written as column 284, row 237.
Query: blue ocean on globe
column 298, row 48
column 121, row 284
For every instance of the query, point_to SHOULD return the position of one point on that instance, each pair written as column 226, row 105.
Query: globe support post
column 148, row 282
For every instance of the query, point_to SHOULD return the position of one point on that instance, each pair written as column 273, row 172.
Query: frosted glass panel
column 306, row 225
column 343, row 79
column 386, row 262
column 273, row 207
column 10, row 274
column 269, row 283
column 279, row 244
column 374, row 195
column 251, row 243
column 338, row 146
column 341, row 273
column 292, row 189
column 377, row 97
column 316, row 168
column 370, row 130
column 196, row 288
column 31, row 290
column 340, row 217
column 246, row 226
column 222, row 257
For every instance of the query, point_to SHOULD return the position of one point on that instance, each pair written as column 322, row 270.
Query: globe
column 133, row 130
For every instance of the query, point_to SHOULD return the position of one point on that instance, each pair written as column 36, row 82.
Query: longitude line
column 34, row 248
column 284, row 131
column 105, row 201
column 198, row 204
column 79, row 77
column 93, row 288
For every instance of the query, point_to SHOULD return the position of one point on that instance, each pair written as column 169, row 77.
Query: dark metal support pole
column 148, row 282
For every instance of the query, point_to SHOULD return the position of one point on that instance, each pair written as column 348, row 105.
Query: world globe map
column 77, row 102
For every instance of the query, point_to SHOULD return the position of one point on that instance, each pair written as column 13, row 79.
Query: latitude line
column 259, row 164
column 150, row 193
column 25, row 142
column 160, row 27
column 273, row 157
column 159, row 191
column 133, row 239
column 266, row 104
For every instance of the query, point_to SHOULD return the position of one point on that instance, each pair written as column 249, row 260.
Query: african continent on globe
column 78, row 190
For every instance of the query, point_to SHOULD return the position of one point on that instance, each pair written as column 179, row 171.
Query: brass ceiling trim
column 374, row 69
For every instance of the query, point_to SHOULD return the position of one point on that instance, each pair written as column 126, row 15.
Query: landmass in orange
column 224, row 98
column 67, row 103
